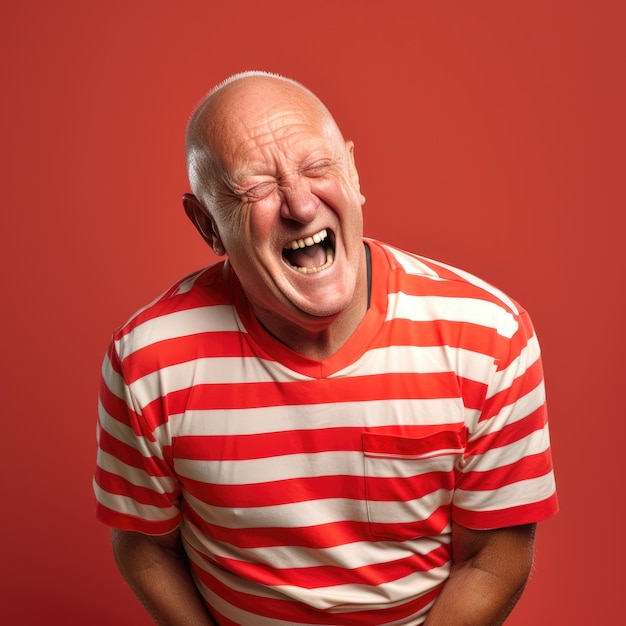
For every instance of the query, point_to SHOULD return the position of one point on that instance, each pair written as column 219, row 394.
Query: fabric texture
column 322, row 492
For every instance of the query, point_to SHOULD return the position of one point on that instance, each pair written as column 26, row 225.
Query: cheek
column 264, row 220
column 339, row 193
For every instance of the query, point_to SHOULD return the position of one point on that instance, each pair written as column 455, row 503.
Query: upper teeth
column 307, row 241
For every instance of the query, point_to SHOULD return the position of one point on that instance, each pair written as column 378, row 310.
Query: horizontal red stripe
column 315, row 577
column 472, row 392
column 408, row 488
column 264, row 445
column 435, row 333
column 129, row 522
column 471, row 337
column 511, row 516
column 452, row 287
column 114, row 484
column 115, row 406
column 131, row 456
column 354, row 389
column 299, row 613
column 215, row 293
column 529, row 467
column 511, row 433
column 183, row 349
column 314, row 536
column 376, row 443
column 318, row 488
column 431, row 526
column 510, row 349
column 522, row 385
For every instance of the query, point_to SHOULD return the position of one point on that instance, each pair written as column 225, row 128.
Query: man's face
column 289, row 208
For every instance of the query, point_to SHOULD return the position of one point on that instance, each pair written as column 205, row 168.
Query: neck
column 317, row 337
column 320, row 343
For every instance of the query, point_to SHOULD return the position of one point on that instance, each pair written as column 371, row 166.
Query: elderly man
column 320, row 429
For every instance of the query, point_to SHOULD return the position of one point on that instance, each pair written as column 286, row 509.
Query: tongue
column 309, row 257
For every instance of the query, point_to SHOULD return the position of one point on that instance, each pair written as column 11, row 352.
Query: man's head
column 276, row 188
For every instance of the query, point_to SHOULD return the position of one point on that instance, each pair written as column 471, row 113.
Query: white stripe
column 205, row 371
column 134, row 475
column 241, row 370
column 415, row 264
column 127, row 435
column 263, row 470
column 517, row 494
column 127, row 506
column 521, row 408
column 178, row 324
column 291, row 515
column 294, row 466
column 115, row 383
column 319, row 512
column 422, row 360
column 337, row 599
column 469, row 310
column 397, row 412
column 187, row 284
column 535, row 443
column 410, row 512
column 527, row 357
column 349, row 598
column 479, row 282
column 233, row 613
column 349, row 556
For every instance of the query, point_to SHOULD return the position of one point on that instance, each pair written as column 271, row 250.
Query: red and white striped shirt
column 322, row 492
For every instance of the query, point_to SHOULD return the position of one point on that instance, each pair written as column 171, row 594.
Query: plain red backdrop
column 488, row 134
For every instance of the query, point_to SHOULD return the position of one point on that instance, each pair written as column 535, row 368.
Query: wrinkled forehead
column 259, row 114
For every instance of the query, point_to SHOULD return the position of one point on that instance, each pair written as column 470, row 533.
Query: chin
column 320, row 310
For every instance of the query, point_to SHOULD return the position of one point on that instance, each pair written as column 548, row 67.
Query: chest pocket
column 409, row 482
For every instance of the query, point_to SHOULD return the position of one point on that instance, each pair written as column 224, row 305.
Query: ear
column 203, row 222
column 354, row 174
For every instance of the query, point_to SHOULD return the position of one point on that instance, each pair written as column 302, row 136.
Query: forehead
column 256, row 127
column 281, row 138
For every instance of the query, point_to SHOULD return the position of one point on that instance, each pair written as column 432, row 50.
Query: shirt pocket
column 409, row 482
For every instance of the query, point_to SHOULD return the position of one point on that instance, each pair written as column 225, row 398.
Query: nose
column 298, row 202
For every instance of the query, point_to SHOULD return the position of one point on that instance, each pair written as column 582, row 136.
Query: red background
column 489, row 135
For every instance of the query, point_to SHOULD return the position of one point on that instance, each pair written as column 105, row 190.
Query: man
column 321, row 429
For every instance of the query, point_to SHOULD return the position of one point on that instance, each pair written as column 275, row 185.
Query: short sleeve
column 134, row 485
column 507, row 477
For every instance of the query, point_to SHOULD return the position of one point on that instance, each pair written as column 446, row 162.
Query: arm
column 489, row 572
column 157, row 571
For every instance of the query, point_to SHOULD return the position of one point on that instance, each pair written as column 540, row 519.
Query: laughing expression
column 287, row 207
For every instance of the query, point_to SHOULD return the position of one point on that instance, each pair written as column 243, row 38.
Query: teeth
column 330, row 257
column 308, row 241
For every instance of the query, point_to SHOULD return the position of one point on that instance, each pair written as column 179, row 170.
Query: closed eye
column 317, row 169
column 258, row 192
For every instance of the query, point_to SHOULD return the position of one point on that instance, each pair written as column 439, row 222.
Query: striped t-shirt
column 322, row 492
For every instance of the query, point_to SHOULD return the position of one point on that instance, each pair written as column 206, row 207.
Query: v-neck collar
column 267, row 346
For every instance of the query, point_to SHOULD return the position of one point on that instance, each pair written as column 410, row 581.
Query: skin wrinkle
column 255, row 147
column 204, row 164
column 276, row 137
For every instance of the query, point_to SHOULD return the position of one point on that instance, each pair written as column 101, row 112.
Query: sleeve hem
column 122, row 521
column 513, row 516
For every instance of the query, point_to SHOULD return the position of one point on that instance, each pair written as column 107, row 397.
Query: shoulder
column 426, row 289
column 198, row 302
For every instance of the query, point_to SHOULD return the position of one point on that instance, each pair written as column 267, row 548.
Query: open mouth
column 311, row 254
